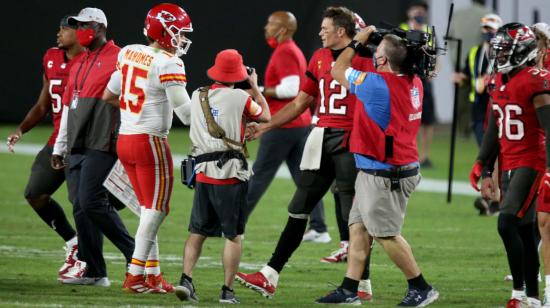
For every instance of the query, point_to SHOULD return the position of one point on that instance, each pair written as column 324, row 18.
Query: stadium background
column 218, row 25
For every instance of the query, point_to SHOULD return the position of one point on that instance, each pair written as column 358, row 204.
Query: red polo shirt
column 287, row 60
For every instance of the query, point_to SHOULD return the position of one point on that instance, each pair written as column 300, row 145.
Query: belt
column 394, row 175
column 222, row 157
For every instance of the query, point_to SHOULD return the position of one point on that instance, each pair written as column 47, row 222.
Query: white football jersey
column 143, row 74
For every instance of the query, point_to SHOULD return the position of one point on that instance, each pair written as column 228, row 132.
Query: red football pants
column 148, row 162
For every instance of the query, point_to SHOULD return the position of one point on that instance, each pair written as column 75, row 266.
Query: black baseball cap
column 65, row 22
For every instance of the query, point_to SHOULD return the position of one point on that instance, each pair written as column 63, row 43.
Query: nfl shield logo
column 415, row 98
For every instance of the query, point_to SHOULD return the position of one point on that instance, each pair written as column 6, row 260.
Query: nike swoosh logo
column 53, row 224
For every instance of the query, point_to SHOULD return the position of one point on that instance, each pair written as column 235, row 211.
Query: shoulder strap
column 213, row 128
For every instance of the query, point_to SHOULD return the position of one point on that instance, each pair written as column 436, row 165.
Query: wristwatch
column 354, row 45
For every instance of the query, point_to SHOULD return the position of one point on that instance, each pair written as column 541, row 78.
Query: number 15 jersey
column 521, row 137
column 142, row 77
column 335, row 105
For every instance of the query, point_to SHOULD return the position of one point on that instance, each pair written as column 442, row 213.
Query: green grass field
column 458, row 252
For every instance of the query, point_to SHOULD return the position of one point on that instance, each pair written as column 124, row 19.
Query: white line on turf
column 426, row 185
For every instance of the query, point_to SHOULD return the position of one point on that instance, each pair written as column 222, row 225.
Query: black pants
column 93, row 213
column 278, row 146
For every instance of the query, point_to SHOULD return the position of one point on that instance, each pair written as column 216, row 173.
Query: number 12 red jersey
column 335, row 105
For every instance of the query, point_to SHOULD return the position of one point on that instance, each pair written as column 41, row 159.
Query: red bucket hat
column 228, row 67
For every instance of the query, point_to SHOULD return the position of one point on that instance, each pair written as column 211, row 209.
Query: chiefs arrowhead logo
column 166, row 16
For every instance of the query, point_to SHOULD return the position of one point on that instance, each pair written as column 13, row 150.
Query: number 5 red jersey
column 521, row 137
column 56, row 71
column 335, row 105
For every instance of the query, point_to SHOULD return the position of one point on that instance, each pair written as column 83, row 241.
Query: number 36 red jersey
column 335, row 105
column 521, row 137
column 56, row 71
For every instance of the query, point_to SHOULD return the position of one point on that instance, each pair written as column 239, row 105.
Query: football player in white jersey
column 150, row 86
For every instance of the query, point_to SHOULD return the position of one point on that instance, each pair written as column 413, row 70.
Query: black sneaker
column 185, row 291
column 339, row 296
column 419, row 298
column 482, row 205
column 228, row 297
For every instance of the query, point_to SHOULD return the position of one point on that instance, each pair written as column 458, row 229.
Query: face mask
column 487, row 36
column 272, row 42
column 420, row 19
column 85, row 36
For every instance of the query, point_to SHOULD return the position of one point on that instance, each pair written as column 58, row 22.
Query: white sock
column 547, row 282
column 149, row 223
column 152, row 266
column 72, row 241
column 270, row 274
column 518, row 294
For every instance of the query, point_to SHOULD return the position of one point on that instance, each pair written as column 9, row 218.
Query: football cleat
column 70, row 259
column 316, row 237
column 256, row 282
column 515, row 303
column 364, row 290
column 419, row 298
column 185, row 291
column 339, row 255
column 137, row 284
column 339, row 296
column 159, row 282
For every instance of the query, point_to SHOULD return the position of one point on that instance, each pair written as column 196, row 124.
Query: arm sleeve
column 60, row 146
column 115, row 83
column 181, row 103
column 288, row 87
column 543, row 114
column 489, row 149
column 172, row 73
column 252, row 110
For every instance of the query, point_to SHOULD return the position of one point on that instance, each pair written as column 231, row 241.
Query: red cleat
column 514, row 303
column 137, row 284
column 159, row 282
column 256, row 282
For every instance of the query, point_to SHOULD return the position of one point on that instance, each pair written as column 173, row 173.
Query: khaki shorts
column 379, row 209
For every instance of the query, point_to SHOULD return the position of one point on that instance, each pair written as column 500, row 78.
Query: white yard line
column 426, row 185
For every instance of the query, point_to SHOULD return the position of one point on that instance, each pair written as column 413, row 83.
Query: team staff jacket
column 477, row 65
column 287, row 60
column 56, row 71
column 92, row 123
column 387, row 118
column 335, row 105
column 521, row 138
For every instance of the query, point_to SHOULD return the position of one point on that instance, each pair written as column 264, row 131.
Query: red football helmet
column 513, row 45
column 167, row 23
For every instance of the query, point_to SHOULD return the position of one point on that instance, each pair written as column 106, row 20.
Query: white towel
column 311, row 158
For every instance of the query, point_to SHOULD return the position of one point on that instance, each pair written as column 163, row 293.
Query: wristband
column 354, row 45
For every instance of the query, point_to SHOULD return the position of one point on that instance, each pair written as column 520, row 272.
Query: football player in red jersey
column 45, row 180
column 516, row 134
column 326, row 155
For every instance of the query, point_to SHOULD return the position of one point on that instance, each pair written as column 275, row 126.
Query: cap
column 228, row 67
column 492, row 21
column 89, row 14
column 65, row 22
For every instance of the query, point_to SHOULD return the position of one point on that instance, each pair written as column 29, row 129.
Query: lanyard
column 76, row 89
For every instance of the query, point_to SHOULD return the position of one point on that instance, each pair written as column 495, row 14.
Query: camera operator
column 383, row 141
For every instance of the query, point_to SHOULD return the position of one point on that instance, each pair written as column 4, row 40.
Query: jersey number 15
column 132, row 96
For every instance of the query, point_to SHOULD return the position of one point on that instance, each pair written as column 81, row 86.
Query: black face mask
column 421, row 19
column 487, row 36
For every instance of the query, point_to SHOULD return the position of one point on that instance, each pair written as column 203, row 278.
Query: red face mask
column 272, row 42
column 85, row 36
